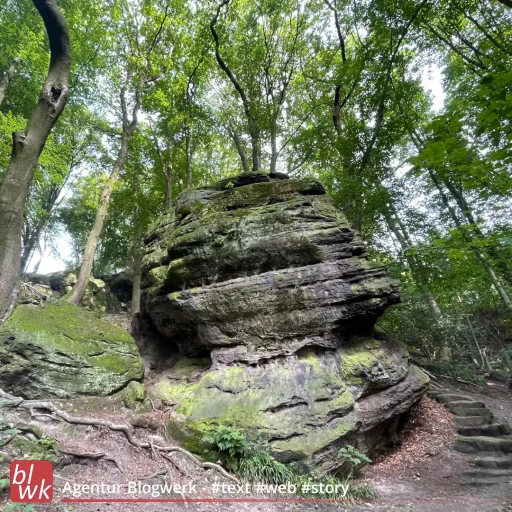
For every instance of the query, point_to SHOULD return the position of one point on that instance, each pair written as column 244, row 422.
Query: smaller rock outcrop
column 63, row 351
column 98, row 296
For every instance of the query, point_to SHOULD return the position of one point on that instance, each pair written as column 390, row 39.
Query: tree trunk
column 480, row 256
column 252, row 123
column 27, row 146
column 137, row 257
column 467, row 213
column 396, row 226
column 239, row 147
column 95, row 233
column 273, row 145
column 169, row 177
column 6, row 80
column 188, row 151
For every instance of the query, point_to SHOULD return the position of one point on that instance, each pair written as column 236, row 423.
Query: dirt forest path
column 406, row 480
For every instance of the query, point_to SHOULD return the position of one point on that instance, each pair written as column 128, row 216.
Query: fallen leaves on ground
column 429, row 431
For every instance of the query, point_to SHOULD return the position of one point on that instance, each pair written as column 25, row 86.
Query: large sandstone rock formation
column 63, row 351
column 268, row 295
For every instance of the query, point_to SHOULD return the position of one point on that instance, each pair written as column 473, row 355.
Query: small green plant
column 4, row 484
column 218, row 241
column 353, row 456
column 229, row 441
column 252, row 463
column 18, row 507
column 229, row 185
column 260, row 466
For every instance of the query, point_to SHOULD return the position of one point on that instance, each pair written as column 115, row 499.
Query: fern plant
column 353, row 457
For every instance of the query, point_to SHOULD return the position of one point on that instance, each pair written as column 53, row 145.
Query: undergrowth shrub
column 252, row 463
column 457, row 370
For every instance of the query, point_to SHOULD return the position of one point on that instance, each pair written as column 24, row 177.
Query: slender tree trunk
column 273, row 146
column 396, row 226
column 252, row 123
column 42, row 250
column 137, row 257
column 239, row 147
column 508, row 3
column 467, row 213
column 188, row 150
column 31, row 243
column 27, row 146
column 169, row 177
column 7, row 79
column 94, row 235
column 97, row 227
column 502, row 292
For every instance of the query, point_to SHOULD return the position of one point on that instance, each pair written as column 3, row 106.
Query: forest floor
column 423, row 473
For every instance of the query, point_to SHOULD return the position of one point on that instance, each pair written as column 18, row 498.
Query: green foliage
column 18, row 507
column 228, row 441
column 457, row 370
column 4, row 485
column 254, row 464
column 260, row 466
column 353, row 456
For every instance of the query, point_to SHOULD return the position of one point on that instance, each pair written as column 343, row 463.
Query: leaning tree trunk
column 495, row 280
column 78, row 291
column 7, row 79
column 94, row 235
column 27, row 146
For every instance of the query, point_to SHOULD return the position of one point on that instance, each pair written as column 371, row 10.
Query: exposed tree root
column 32, row 406
column 93, row 456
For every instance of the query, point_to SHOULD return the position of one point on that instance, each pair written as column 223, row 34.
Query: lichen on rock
column 61, row 350
column 263, row 276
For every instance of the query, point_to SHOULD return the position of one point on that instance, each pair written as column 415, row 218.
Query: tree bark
column 137, row 257
column 27, row 147
column 97, row 227
column 188, row 150
column 502, row 292
column 239, row 147
column 252, row 123
column 507, row 3
column 7, row 79
column 274, row 152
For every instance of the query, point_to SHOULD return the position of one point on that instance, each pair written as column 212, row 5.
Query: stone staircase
column 489, row 443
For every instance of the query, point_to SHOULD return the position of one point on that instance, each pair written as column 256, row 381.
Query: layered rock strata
column 270, row 299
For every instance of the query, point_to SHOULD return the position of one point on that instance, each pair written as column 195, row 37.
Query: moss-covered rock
column 134, row 394
column 264, row 275
column 61, row 350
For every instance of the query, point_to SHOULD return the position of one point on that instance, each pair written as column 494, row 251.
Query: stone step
column 471, row 411
column 471, row 421
column 493, row 461
column 445, row 398
column 433, row 393
column 484, row 482
column 465, row 404
column 483, row 444
column 487, row 473
column 495, row 430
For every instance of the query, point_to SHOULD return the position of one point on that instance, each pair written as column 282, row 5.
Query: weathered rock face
column 267, row 292
column 61, row 350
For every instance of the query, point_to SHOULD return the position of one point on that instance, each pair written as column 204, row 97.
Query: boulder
column 270, row 298
column 60, row 350
column 134, row 394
